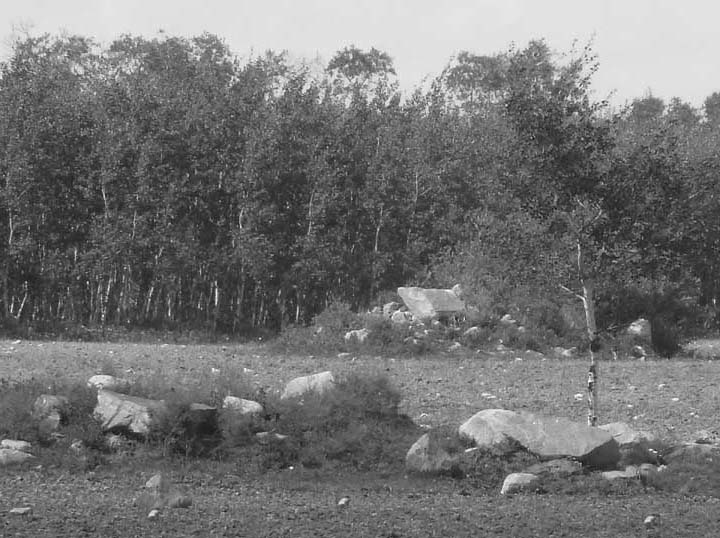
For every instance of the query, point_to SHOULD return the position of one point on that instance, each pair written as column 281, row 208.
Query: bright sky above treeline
column 664, row 47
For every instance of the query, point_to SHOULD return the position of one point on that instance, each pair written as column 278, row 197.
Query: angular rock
column 22, row 446
column 358, row 335
column 242, row 406
column 560, row 467
column 547, row 437
column 21, row 511
column 517, row 482
column 318, row 383
column 108, row 382
column 427, row 455
column 426, row 304
column 9, row 456
column 120, row 412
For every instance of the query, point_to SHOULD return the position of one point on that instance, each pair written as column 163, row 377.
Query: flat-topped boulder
column 430, row 303
column 547, row 437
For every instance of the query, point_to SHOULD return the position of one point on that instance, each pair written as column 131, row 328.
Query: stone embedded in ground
column 14, row 444
column 10, row 456
column 266, row 437
column 21, row 511
column 426, row 303
column 317, row 383
column 630, row 472
column 120, row 412
column 108, row 382
column 153, row 514
column 177, row 500
column 427, row 455
column 517, row 482
column 560, row 467
column 242, row 406
column 547, row 437
column 358, row 335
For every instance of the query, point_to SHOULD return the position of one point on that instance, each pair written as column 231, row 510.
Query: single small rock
column 21, row 511
column 390, row 308
column 77, row 447
column 615, row 475
column 652, row 521
column 473, row 332
column 158, row 482
column 242, row 406
column 705, row 437
column 517, row 482
column 153, row 514
column 455, row 346
column 266, row 437
column 401, row 316
column 176, row 500
column 344, row 502
column 22, row 446
column 319, row 383
column 559, row 467
column 638, row 352
column 108, row 382
column 640, row 328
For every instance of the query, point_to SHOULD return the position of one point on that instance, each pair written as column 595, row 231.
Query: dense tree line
column 163, row 182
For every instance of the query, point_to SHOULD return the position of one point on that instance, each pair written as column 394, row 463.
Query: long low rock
column 318, row 383
column 10, row 456
column 547, row 437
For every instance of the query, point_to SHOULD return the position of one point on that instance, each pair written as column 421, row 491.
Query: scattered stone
column 109, row 382
column 547, row 437
column 517, row 482
column 319, row 383
column 390, row 308
column 120, row 412
column 560, row 467
column 426, row 304
column 242, row 406
column 10, row 456
column 344, row 502
column 640, row 328
column 266, row 437
column 358, row 335
column 473, row 332
column 50, row 411
column 153, row 514
column 21, row 511
column 401, row 316
column 22, row 446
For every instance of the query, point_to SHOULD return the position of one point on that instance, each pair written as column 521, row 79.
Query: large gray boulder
column 317, row 383
column 120, row 412
column 517, row 482
column 547, row 437
column 428, row 303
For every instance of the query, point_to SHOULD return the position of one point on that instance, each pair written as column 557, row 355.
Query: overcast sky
column 666, row 47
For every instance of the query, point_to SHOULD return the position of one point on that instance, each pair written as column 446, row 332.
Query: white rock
column 319, row 383
column 427, row 455
column 344, row 502
column 242, row 406
column 108, row 382
column 22, row 446
column 517, row 482
column 21, row 511
column 427, row 304
column 153, row 514
column 117, row 411
column 641, row 328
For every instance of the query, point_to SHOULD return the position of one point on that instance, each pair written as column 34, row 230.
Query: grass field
column 672, row 398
